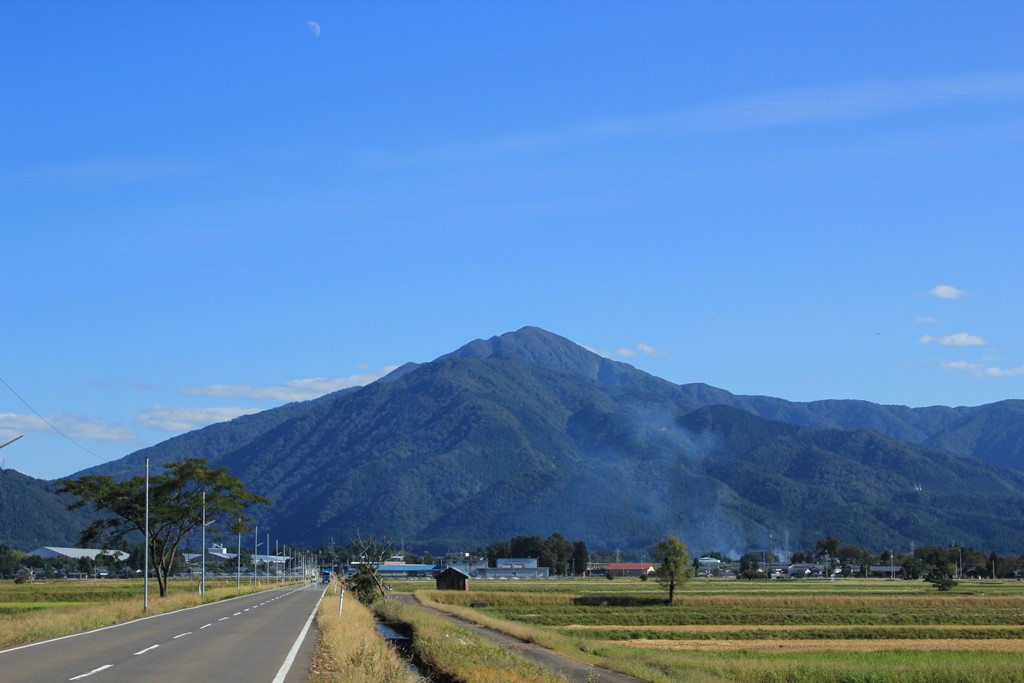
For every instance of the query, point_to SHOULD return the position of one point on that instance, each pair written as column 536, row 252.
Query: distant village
column 81, row 563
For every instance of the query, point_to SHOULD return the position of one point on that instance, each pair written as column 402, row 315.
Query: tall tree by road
column 175, row 507
column 674, row 564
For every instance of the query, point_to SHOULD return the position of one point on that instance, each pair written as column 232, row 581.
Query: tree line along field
column 803, row 630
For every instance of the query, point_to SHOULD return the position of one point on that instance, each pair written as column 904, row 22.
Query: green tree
column 175, row 507
column 580, row 558
column 826, row 547
column 674, row 564
column 558, row 553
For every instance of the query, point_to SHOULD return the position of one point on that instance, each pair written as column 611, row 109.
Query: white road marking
column 142, row 652
column 94, row 671
column 223, row 618
column 207, row 626
column 290, row 659
column 182, row 635
column 237, row 614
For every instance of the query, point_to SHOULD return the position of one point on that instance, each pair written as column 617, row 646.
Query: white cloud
column 962, row 339
column 961, row 365
column 293, row 390
column 649, row 350
column 947, row 292
column 171, row 419
column 1005, row 372
column 958, row 339
column 71, row 425
column 925, row 320
column 603, row 354
column 24, row 423
column 626, row 353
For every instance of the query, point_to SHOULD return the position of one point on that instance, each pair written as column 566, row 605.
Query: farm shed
column 451, row 579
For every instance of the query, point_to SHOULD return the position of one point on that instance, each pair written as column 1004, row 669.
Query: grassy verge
column 52, row 609
column 349, row 649
column 459, row 653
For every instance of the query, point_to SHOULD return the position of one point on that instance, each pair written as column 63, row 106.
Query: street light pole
column 202, row 577
column 145, row 549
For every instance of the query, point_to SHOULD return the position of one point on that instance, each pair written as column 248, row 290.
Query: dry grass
column 461, row 654
column 350, row 650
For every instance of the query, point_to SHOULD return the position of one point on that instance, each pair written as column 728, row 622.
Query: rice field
column 877, row 631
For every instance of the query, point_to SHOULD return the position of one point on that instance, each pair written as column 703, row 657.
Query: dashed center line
column 182, row 635
column 223, row 618
column 90, row 673
column 206, row 626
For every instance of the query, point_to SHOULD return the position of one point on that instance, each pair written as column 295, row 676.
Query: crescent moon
column 314, row 27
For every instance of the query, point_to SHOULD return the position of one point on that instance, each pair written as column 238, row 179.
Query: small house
column 452, row 579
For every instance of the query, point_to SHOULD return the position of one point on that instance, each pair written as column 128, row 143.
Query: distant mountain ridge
column 530, row 433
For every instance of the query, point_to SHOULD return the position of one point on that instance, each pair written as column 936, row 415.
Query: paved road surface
column 243, row 639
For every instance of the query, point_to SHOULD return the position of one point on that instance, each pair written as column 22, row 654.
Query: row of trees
column 563, row 557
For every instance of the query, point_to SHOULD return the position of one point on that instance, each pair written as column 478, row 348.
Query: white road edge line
column 142, row 652
column 94, row 671
column 123, row 623
column 290, row 659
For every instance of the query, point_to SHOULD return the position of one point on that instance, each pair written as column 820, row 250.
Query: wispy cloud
column 108, row 172
column 800, row 106
column 645, row 349
column 961, row 365
column 958, row 339
column 981, row 371
column 947, row 292
column 171, row 419
column 293, row 390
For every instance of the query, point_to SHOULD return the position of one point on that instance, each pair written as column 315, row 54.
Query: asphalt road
column 243, row 639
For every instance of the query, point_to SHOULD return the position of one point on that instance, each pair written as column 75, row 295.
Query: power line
column 50, row 424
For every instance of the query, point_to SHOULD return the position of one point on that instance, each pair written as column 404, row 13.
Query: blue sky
column 210, row 209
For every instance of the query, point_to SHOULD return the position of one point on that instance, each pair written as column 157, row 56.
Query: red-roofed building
column 630, row 568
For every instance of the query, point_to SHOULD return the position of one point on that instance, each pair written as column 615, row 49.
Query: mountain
column 32, row 515
column 529, row 433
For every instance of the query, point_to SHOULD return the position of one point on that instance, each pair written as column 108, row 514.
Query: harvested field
column 955, row 645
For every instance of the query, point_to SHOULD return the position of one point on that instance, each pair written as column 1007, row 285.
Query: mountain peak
column 546, row 349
